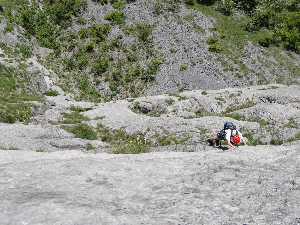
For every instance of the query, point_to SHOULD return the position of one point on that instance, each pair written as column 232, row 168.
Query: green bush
column 119, row 5
column 183, row 67
column 69, row 63
column 99, row 32
column 61, row 12
column 265, row 40
column 116, row 17
column 144, row 31
column 8, row 29
column 225, row 6
column 189, row 2
column 117, row 75
column 212, row 40
column 83, row 33
column 102, row 2
column 90, row 46
column 101, row 65
column 215, row 48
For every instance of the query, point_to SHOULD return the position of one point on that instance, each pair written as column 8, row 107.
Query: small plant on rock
column 183, row 67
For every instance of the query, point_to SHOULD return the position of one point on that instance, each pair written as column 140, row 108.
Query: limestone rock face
column 246, row 185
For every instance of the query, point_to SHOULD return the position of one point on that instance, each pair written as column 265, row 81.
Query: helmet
column 236, row 139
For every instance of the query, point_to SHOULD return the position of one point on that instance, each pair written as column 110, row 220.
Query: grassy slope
column 84, row 59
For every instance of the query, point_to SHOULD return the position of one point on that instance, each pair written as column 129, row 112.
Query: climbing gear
column 229, row 126
column 236, row 139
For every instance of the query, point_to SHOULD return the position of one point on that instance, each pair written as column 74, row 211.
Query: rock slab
column 246, row 185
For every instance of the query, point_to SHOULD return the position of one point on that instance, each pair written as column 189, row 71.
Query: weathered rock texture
column 246, row 185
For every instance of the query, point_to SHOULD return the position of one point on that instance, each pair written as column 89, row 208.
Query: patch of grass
column 89, row 146
column 220, row 99
column 51, row 92
column 11, row 148
column 81, row 131
column 276, row 142
column 190, row 17
column 204, row 93
column 41, row 150
column 79, row 109
column 170, row 101
column 134, row 147
column 243, row 106
column 173, row 50
column 74, row 118
column 166, row 140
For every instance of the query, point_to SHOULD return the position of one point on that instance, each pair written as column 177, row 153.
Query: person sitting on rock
column 225, row 135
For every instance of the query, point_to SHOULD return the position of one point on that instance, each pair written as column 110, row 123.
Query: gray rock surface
column 246, row 185
column 41, row 137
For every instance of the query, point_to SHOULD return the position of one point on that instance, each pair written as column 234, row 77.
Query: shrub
column 189, row 2
column 99, row 32
column 117, row 75
column 215, row 48
column 116, row 17
column 265, row 40
column 144, row 31
column 212, row 40
column 153, row 67
column 8, row 29
column 183, row 67
column 83, row 82
column 70, row 63
column 119, row 5
column 204, row 93
column 102, row 2
column 100, row 65
column 90, row 46
column 225, row 6
column 83, row 33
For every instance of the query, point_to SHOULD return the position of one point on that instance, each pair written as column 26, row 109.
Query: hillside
column 106, row 106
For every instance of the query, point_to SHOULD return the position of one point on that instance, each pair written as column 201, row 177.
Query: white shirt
column 228, row 134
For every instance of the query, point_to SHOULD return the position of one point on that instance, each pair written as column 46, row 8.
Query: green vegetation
column 89, row 147
column 74, row 118
column 134, row 147
column 79, row 109
column 51, row 92
column 183, row 67
column 251, row 140
column 170, row 101
column 41, row 150
column 81, row 131
column 92, row 63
